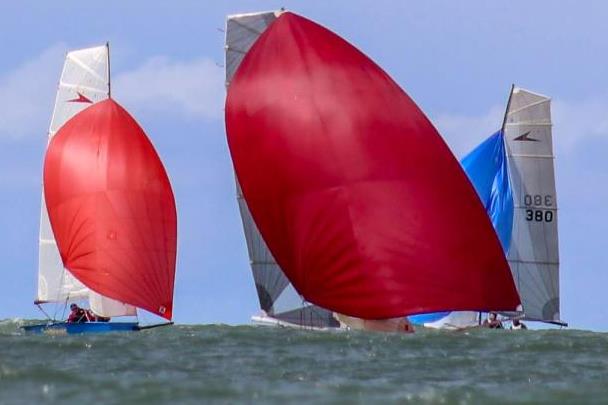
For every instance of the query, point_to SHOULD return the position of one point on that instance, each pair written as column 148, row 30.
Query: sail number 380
column 534, row 205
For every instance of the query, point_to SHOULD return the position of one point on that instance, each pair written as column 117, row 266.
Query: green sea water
column 246, row 364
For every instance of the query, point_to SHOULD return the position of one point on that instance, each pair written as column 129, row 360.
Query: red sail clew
column 357, row 196
column 112, row 209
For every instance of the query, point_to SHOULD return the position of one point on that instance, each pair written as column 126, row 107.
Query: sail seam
column 529, row 105
column 85, row 67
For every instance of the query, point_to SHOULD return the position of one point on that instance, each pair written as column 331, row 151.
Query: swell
column 189, row 363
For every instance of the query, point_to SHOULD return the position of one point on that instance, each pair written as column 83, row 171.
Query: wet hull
column 64, row 328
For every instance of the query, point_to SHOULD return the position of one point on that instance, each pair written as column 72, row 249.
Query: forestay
column 276, row 295
column 534, row 253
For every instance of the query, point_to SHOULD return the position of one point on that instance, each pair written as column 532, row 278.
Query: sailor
column 77, row 314
column 492, row 322
column 518, row 325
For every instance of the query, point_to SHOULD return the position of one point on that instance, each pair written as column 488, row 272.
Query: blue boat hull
column 64, row 328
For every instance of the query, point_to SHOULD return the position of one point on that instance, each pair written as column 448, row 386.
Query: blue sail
column 487, row 168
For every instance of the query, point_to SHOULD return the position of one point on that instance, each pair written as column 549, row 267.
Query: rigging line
column 65, row 306
column 61, row 284
column 44, row 312
column 302, row 311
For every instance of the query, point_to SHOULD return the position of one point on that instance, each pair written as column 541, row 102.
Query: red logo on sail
column 80, row 99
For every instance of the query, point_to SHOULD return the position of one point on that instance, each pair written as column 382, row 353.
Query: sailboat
column 513, row 173
column 342, row 185
column 108, row 220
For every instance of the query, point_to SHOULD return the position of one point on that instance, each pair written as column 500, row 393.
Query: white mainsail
column 277, row 296
column 534, row 253
column 85, row 80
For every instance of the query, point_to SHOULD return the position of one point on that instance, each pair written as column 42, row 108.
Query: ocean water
column 246, row 364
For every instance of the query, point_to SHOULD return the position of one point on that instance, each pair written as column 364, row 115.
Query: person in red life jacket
column 90, row 315
column 93, row 317
column 77, row 314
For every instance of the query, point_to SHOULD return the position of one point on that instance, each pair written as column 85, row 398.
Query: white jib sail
column 277, row 296
column 533, row 254
column 108, row 307
column 85, row 80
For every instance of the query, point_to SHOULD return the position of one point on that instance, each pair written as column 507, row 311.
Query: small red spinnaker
column 112, row 209
column 359, row 199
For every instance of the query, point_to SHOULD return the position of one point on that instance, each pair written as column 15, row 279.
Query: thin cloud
column 27, row 94
column 193, row 88
column 574, row 124
column 462, row 133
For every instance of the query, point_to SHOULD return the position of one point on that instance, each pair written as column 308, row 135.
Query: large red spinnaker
column 112, row 209
column 357, row 196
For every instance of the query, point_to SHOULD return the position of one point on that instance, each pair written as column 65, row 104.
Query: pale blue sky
column 456, row 59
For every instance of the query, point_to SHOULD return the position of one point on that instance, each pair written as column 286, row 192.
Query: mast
column 504, row 120
column 109, row 79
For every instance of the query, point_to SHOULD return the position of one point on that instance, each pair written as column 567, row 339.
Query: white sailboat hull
column 265, row 320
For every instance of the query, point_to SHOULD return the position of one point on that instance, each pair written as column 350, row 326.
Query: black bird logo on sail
column 525, row 138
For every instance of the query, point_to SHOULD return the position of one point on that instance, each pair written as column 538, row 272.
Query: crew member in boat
column 518, row 325
column 81, row 315
column 77, row 314
column 492, row 322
